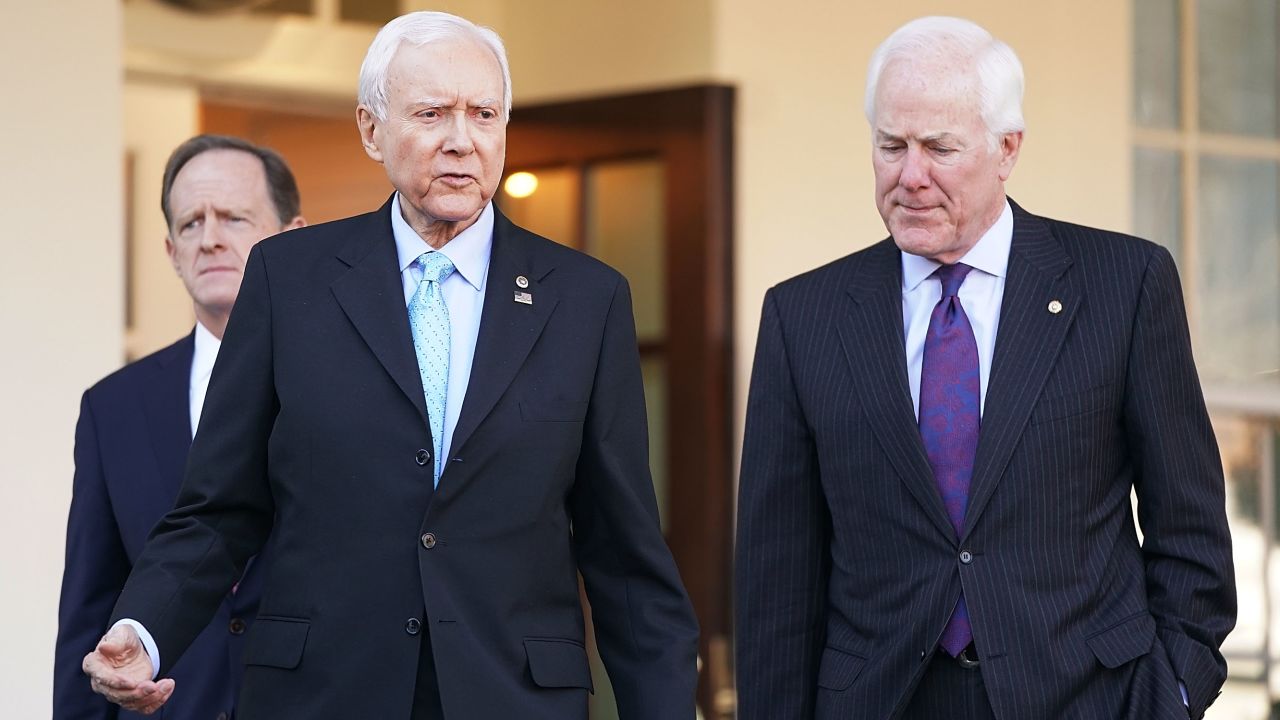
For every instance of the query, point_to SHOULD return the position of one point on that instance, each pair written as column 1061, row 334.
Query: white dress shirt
column 981, row 295
column 206, row 353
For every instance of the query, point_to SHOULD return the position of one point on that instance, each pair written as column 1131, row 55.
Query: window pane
column 1155, row 65
column 1157, row 197
column 1238, row 287
column 1237, row 41
column 625, row 228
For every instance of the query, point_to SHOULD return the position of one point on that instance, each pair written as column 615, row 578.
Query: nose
column 915, row 170
column 211, row 234
column 459, row 140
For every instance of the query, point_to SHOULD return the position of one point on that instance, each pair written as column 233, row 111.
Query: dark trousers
column 949, row 691
column 426, row 694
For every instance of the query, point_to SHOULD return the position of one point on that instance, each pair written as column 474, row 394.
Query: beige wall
column 61, row 300
column 804, row 192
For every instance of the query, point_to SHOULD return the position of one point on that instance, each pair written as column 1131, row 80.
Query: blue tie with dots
column 429, row 320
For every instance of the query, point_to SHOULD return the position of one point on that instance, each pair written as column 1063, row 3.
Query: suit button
column 428, row 540
column 423, row 457
column 236, row 626
column 966, row 557
column 412, row 626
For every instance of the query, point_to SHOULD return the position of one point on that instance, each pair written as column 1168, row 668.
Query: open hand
column 120, row 670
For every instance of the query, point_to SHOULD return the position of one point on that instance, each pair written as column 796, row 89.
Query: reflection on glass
column 1237, row 40
column 551, row 210
column 1155, row 63
column 1238, row 283
column 1157, row 197
column 624, row 228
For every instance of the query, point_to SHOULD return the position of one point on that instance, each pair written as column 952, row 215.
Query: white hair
column 418, row 29
column 993, row 66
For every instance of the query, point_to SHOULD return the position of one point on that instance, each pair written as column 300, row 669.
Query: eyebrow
column 943, row 136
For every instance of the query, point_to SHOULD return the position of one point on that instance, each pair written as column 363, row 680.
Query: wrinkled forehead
column 461, row 65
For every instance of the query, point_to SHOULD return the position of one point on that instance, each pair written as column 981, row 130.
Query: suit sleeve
column 224, row 510
column 1181, row 498
column 95, row 571
column 783, row 542
column 646, row 631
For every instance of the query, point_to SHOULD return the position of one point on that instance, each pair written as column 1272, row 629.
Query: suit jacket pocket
column 1070, row 404
column 839, row 669
column 1129, row 639
column 558, row 663
column 553, row 410
column 276, row 642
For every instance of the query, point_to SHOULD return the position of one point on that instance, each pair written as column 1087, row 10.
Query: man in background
column 220, row 196
column 943, row 435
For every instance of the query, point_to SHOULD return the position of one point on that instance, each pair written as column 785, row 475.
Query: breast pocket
column 553, row 410
column 1071, row 404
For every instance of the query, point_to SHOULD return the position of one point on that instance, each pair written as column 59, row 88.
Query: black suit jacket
column 848, row 568
column 316, row 426
column 131, row 445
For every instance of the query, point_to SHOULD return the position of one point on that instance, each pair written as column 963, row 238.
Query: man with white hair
column 439, row 418
column 943, row 434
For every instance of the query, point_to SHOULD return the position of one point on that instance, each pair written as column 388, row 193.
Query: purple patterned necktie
column 950, row 396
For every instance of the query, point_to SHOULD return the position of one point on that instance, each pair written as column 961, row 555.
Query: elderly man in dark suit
column 943, row 433
column 439, row 417
column 220, row 196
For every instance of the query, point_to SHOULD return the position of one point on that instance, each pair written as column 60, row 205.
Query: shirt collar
column 468, row 251
column 990, row 254
column 206, row 352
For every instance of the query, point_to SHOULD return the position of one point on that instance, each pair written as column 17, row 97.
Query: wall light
column 521, row 184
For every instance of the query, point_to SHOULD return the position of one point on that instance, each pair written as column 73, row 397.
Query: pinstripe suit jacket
column 847, row 566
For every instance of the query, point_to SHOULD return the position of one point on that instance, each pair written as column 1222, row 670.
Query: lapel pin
column 1055, row 306
column 524, row 297
column 522, row 282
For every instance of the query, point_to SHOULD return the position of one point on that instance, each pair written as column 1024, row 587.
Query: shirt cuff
column 149, row 644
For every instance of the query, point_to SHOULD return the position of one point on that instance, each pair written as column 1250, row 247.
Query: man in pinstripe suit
column 943, row 433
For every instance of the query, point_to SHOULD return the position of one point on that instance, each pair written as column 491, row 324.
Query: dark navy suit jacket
column 315, row 430
column 848, row 567
column 131, row 449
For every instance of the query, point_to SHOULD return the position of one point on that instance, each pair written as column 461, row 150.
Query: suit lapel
column 372, row 296
column 871, row 335
column 167, row 407
column 508, row 329
column 1028, row 341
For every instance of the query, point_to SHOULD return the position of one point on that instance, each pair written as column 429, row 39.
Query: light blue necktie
column 429, row 320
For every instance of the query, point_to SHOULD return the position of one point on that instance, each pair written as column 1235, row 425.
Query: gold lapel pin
column 1055, row 306
column 522, row 282
column 524, row 297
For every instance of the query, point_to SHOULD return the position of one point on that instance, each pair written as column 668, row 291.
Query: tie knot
column 435, row 266
column 952, row 276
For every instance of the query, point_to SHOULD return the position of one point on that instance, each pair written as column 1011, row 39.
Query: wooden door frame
column 691, row 130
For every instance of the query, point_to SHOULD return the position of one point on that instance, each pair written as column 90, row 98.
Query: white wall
column 61, row 299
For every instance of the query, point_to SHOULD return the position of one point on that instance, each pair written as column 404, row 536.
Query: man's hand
column 120, row 670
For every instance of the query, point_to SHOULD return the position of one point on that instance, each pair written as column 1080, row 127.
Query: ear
column 368, row 124
column 1010, row 146
column 295, row 223
column 172, row 251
